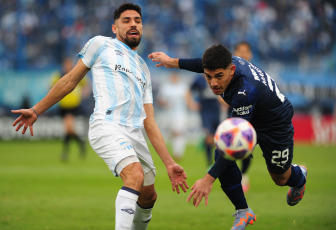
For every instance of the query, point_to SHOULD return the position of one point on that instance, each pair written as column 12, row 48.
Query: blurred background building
column 294, row 41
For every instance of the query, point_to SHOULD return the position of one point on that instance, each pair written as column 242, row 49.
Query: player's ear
column 232, row 70
column 114, row 29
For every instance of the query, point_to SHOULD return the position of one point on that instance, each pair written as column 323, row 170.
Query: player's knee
column 133, row 176
column 151, row 197
column 147, row 199
column 280, row 179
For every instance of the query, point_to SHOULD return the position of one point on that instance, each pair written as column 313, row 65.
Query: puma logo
column 242, row 92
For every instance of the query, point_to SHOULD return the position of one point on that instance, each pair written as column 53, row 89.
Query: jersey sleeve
column 193, row 65
column 91, row 50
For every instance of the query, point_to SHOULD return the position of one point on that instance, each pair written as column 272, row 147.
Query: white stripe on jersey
column 121, row 81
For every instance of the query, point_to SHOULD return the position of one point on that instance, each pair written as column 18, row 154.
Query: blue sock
column 231, row 185
column 236, row 196
column 296, row 179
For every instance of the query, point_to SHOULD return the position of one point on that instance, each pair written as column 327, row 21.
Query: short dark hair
column 216, row 57
column 124, row 7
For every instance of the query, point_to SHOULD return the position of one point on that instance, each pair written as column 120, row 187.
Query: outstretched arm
column 193, row 65
column 164, row 60
column 203, row 186
column 63, row 87
column 175, row 172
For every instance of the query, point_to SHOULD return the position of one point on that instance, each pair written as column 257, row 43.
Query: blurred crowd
column 39, row 33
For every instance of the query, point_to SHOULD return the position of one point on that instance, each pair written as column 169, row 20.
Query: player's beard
column 132, row 42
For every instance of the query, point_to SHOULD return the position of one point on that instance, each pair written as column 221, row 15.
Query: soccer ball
column 235, row 138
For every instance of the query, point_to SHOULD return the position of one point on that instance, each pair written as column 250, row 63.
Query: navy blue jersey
column 254, row 96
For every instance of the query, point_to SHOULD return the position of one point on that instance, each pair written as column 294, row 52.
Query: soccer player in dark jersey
column 253, row 95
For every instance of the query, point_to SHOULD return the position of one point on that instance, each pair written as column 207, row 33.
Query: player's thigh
column 142, row 152
column 278, row 156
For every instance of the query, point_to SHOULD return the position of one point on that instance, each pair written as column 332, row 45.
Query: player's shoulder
column 94, row 43
column 98, row 41
column 101, row 38
column 239, row 62
column 242, row 90
column 245, row 71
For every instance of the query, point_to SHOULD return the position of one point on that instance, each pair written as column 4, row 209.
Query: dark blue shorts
column 277, row 149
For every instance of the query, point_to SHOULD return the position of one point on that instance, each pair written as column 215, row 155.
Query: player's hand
column 177, row 177
column 200, row 189
column 164, row 60
column 26, row 119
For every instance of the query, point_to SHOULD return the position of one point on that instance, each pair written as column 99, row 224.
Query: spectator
column 289, row 31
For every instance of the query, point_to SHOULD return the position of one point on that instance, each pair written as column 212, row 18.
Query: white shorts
column 116, row 144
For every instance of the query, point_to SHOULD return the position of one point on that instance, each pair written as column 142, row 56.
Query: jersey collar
column 126, row 46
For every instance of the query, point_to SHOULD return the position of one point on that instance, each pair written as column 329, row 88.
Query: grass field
column 38, row 191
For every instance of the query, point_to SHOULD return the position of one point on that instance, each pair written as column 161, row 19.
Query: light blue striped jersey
column 121, row 81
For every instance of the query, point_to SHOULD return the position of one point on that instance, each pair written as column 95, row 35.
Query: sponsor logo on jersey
column 143, row 84
column 118, row 52
column 123, row 69
column 120, row 68
column 242, row 110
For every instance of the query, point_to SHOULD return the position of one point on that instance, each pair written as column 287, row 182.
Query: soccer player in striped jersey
column 123, row 105
column 253, row 95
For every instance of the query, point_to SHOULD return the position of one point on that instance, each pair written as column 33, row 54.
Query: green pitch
column 38, row 191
